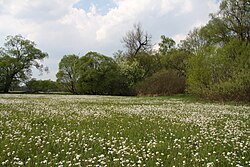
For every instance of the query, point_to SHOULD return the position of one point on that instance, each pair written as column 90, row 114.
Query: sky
column 62, row 27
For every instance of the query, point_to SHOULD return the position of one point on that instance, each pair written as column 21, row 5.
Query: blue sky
column 61, row 27
column 103, row 6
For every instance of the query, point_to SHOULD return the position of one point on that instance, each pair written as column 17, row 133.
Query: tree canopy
column 17, row 57
column 68, row 72
column 219, row 68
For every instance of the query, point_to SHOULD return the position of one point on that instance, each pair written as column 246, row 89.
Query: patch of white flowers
column 66, row 130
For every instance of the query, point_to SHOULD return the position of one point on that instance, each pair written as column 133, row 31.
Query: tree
column 219, row 67
column 166, row 45
column 36, row 86
column 16, row 60
column 149, row 63
column 221, row 73
column 235, row 15
column 162, row 83
column 136, row 41
column 176, row 59
column 193, row 42
column 97, row 74
column 130, row 73
column 172, row 57
column 215, row 32
column 68, row 74
column 199, row 71
column 232, row 21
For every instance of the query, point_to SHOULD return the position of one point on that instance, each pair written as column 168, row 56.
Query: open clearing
column 65, row 130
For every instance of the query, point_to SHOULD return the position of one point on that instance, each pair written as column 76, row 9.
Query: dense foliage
column 212, row 62
column 220, row 66
column 221, row 73
column 93, row 73
column 16, row 60
column 35, row 86
column 165, row 82
column 68, row 73
column 98, row 74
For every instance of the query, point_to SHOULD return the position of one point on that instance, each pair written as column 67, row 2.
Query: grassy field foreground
column 64, row 130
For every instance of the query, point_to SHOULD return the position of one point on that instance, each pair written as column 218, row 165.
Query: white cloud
column 179, row 37
column 92, row 10
column 58, row 28
column 187, row 7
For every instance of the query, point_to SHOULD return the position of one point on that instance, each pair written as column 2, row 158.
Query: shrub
column 221, row 73
column 165, row 82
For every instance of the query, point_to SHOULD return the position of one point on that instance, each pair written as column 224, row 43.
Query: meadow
column 67, row 130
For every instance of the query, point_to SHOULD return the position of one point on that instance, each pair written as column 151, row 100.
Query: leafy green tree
column 221, row 73
column 166, row 45
column 36, row 86
column 172, row 57
column 176, row 59
column 68, row 73
column 230, row 22
column 199, row 71
column 235, row 15
column 149, row 63
column 33, row 86
column 137, row 68
column 97, row 74
column 193, row 42
column 130, row 73
column 16, row 60
column 220, row 66
column 215, row 32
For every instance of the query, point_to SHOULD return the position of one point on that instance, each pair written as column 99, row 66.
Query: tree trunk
column 8, row 83
column 7, row 86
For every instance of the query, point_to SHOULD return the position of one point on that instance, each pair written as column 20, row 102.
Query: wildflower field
column 66, row 130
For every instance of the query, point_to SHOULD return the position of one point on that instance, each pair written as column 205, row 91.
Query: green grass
column 66, row 130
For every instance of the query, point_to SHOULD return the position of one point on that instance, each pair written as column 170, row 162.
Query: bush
column 221, row 73
column 165, row 82
column 35, row 86
column 235, row 88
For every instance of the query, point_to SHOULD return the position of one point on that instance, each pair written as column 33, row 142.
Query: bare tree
column 136, row 41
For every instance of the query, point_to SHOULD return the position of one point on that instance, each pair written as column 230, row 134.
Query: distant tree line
column 212, row 62
column 46, row 86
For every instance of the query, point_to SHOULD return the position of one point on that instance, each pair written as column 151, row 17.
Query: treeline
column 212, row 62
